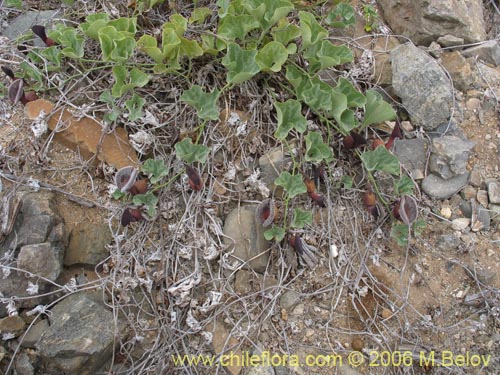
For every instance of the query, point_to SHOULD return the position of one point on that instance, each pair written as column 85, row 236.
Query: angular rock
column 37, row 221
column 422, row 85
column 84, row 135
column 33, row 334
column 222, row 343
column 460, row 224
column 493, row 191
column 12, row 324
column 483, row 219
column 449, row 156
column 488, row 51
column 87, row 244
column 462, row 74
column 246, row 238
column 412, row 154
column 426, row 21
column 439, row 188
column 42, row 259
column 80, row 338
column 23, row 365
column 290, row 299
column 495, row 213
column 450, row 41
column 447, row 242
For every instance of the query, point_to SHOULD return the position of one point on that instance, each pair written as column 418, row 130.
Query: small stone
column 439, row 188
column 482, row 197
column 488, row 51
column 357, row 344
column 448, row 242
column 290, row 299
column 475, row 178
column 449, row 156
column 412, row 153
column 309, row 332
column 460, row 224
column 466, row 208
column 34, row 333
column 494, row 191
column 272, row 164
column 12, row 324
column 473, row 104
column 386, row 313
column 446, row 211
column 298, row 310
column 242, row 284
column 407, row 126
column 483, row 220
column 469, row 192
column 495, row 213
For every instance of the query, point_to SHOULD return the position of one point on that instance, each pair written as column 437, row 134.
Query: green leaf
column 292, row 184
column 376, row 109
column 106, row 97
column 134, row 106
column 404, row 186
column 325, row 54
column 53, row 55
column 346, row 182
column 290, row 117
column 272, row 56
column 223, row 7
column 31, row 73
column 301, row 218
column 149, row 200
column 240, row 63
column 177, row 23
column 342, row 16
column 316, row 150
column 191, row 153
column 285, row 32
column 155, row 169
column 125, row 80
column 115, row 45
column 400, row 233
column 277, row 233
column 236, row 27
column 149, row 46
column 316, row 98
column 199, row 15
column 118, row 194
column 93, row 23
column 204, row 103
column 268, row 12
column 354, row 97
column 127, row 26
column 190, row 48
column 381, row 159
column 311, row 30
column 18, row 4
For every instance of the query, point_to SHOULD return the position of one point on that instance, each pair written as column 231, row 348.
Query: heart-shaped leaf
column 376, row 109
column 134, row 106
column 277, row 233
column 316, row 150
column 301, row 218
column 272, row 56
column 381, row 159
column 155, row 169
column 191, row 153
column 311, row 30
column 289, row 117
column 240, row 63
column 205, row 103
column 293, row 184
column 149, row 200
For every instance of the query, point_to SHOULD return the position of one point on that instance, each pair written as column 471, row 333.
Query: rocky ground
column 80, row 294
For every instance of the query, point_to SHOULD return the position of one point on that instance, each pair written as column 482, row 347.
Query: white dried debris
column 185, row 253
column 192, row 322
column 231, row 172
column 181, row 289
column 142, row 141
column 212, row 301
column 39, row 126
column 257, row 185
column 32, row 289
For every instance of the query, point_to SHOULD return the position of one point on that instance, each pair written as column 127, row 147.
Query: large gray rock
column 246, row 237
column 424, row 88
column 449, row 156
column 80, row 338
column 439, row 188
column 87, row 244
column 42, row 259
column 425, row 21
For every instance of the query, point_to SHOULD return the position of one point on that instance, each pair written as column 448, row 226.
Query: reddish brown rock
column 84, row 135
